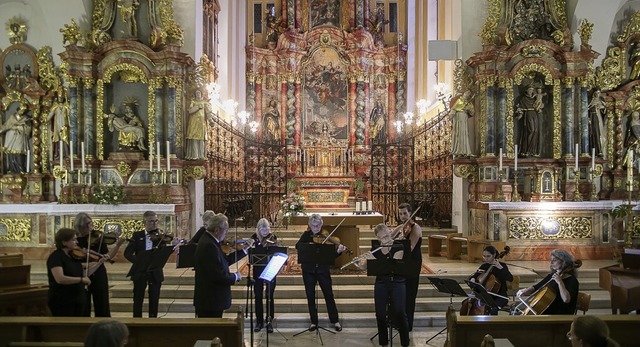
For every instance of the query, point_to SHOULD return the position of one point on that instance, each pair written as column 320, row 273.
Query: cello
column 472, row 306
column 541, row 299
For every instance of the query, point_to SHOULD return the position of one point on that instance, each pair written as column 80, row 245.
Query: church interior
column 506, row 123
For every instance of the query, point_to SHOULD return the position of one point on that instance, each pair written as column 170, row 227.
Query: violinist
column 496, row 284
column 99, row 287
column 562, row 281
column 412, row 231
column 67, row 278
column 212, row 290
column 142, row 241
column 318, row 273
column 206, row 217
column 263, row 239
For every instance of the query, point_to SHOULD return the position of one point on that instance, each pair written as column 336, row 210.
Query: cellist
column 500, row 272
column 563, row 282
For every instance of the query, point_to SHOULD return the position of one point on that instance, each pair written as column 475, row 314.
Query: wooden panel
column 11, row 259
column 329, row 219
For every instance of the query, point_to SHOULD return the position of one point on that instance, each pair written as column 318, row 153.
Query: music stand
column 269, row 273
column 150, row 260
column 447, row 286
column 482, row 293
column 261, row 256
column 319, row 254
column 390, row 267
column 186, row 256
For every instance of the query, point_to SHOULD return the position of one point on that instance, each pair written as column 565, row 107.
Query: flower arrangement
column 292, row 204
column 110, row 193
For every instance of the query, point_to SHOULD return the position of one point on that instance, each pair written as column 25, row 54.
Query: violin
column 98, row 237
column 229, row 245
column 269, row 240
column 324, row 237
column 81, row 254
column 159, row 238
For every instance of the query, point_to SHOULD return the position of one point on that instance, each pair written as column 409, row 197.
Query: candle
column 71, row 154
column 151, row 159
column 60, row 153
column 370, row 205
column 363, row 207
column 576, row 155
column 158, row 155
column 630, row 168
column 515, row 161
column 28, row 160
column 500, row 161
column 168, row 157
column 357, row 206
column 593, row 159
column 82, row 154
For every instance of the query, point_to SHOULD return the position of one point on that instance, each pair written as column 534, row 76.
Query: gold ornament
column 17, row 30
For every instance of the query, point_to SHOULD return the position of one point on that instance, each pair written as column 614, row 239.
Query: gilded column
column 584, row 115
column 257, row 88
column 568, row 138
column 491, row 121
column 171, row 114
column 290, row 112
column 619, row 142
column 73, row 110
column 391, row 107
column 91, row 115
column 501, row 117
column 367, row 109
column 297, row 108
column 352, row 109
column 360, row 107
column 482, row 121
column 557, row 121
column 291, row 13
column 287, row 129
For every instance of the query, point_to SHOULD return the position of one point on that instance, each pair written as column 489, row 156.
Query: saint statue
column 199, row 112
column 597, row 119
column 128, row 14
column 632, row 138
column 529, row 109
column 130, row 128
column 377, row 120
column 271, row 123
column 17, row 132
column 59, row 118
column 461, row 110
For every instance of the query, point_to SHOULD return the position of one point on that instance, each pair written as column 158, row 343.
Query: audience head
column 315, row 223
column 64, row 237
column 107, row 333
column 263, row 228
column 404, row 211
column 218, row 226
column 83, row 223
column 150, row 221
column 590, row 331
column 206, row 217
column 563, row 261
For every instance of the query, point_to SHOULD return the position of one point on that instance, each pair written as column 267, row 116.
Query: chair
column 584, row 300
column 513, row 286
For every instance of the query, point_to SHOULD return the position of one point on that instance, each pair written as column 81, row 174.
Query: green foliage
column 109, row 193
column 621, row 210
column 358, row 186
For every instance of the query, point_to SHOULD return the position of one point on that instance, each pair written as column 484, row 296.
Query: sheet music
column 274, row 266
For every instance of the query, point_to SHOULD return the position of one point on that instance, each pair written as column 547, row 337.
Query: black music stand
column 262, row 256
column 390, row 267
column 320, row 254
column 150, row 260
column 278, row 259
column 186, row 256
column 447, row 286
column 481, row 292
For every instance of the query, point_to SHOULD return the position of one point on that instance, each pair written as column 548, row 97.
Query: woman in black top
column 563, row 282
column 67, row 279
column 501, row 273
column 263, row 239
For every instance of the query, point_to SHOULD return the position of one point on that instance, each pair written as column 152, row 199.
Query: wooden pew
column 532, row 330
column 175, row 332
column 475, row 245
column 11, row 259
column 434, row 246
column 18, row 297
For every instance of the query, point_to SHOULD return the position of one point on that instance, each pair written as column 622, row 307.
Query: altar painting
column 323, row 12
column 325, row 96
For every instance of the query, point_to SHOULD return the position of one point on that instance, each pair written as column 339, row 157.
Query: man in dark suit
column 212, row 291
column 141, row 241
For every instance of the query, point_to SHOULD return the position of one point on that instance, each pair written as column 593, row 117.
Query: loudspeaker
column 443, row 50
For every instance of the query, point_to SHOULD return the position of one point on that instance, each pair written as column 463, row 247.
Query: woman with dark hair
column 562, row 281
column 501, row 275
column 590, row 331
column 67, row 278
column 107, row 333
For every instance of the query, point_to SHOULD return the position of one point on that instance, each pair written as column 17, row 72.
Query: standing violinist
column 206, row 217
column 141, row 241
column 412, row 231
column 99, row 287
column 263, row 239
column 67, row 279
column 494, row 275
column 313, row 273
column 562, row 281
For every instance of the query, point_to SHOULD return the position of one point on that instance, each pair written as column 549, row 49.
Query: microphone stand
column 249, row 303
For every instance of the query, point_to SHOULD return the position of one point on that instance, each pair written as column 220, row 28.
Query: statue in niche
column 59, row 118
column 271, row 123
column 597, row 119
column 377, row 24
column 128, row 14
column 377, row 120
column 634, row 61
column 17, row 132
column 461, row 110
column 632, row 137
column 199, row 112
column 529, row 110
column 274, row 25
column 129, row 126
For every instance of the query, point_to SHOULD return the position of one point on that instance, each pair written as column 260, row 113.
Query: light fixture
column 213, row 90
column 253, row 125
column 422, row 106
column 243, row 117
column 398, row 125
column 408, row 118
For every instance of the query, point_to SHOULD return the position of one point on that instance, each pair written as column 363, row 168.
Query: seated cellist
column 493, row 275
column 562, row 281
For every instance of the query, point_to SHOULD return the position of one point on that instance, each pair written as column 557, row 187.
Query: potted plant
column 358, row 187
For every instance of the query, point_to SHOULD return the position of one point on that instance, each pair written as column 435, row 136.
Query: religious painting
column 323, row 12
column 325, row 96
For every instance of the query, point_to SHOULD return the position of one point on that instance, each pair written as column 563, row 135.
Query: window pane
column 393, row 17
column 257, row 18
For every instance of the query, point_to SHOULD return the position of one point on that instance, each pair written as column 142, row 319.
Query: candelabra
column 82, row 180
column 500, row 191
column 577, row 196
column 61, row 173
column 72, row 187
column 628, row 241
column 515, row 197
column 154, row 196
column 26, row 191
column 592, row 175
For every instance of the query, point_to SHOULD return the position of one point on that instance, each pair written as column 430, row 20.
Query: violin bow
column 334, row 230
column 401, row 226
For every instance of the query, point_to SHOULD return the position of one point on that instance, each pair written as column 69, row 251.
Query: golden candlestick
column 577, row 196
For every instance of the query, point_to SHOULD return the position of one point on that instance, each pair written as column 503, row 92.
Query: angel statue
column 129, row 126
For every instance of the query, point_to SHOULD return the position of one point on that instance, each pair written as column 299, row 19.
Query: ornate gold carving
column 100, row 118
column 59, row 172
column 557, row 121
column 488, row 32
column 15, row 229
column 553, row 227
column 462, row 79
column 37, row 187
column 48, row 75
column 632, row 28
column 174, row 32
column 71, row 33
column 126, row 225
column 609, row 74
column 483, row 119
column 193, row 173
column 485, row 197
column 179, row 115
column 585, row 30
column 465, row 170
column 325, row 38
column 129, row 76
column 558, row 37
column 151, row 110
column 528, row 69
column 510, row 121
column 123, row 168
column 533, row 51
column 17, row 30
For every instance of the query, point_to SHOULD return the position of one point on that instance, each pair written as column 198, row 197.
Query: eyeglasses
column 151, row 221
column 569, row 335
